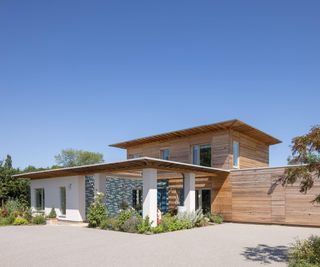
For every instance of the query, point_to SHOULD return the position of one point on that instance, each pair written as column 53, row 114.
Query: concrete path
column 220, row 245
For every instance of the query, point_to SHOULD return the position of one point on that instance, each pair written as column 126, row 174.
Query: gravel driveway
column 228, row 244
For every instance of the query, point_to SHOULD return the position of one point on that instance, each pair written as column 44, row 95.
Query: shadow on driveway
column 265, row 254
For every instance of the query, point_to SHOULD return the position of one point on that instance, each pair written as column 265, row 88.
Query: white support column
column 99, row 183
column 189, row 191
column 149, row 177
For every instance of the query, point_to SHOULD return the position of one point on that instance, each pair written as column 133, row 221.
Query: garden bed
column 129, row 220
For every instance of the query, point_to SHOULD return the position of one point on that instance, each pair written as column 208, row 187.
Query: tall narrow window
column 165, row 154
column 39, row 196
column 137, row 199
column 201, row 155
column 63, row 200
column 235, row 149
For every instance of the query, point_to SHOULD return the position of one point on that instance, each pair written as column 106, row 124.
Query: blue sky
column 85, row 74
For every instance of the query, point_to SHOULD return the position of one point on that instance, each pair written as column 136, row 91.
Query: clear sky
column 85, row 74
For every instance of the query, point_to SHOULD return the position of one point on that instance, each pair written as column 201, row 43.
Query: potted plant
column 52, row 217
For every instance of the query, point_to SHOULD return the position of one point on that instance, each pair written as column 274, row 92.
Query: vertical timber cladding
column 258, row 197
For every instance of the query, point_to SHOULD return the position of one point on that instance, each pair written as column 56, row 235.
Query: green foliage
column 20, row 221
column 215, row 218
column 97, row 212
column 73, row 157
column 145, row 226
column 124, row 218
column 305, row 253
column 305, row 150
column 39, row 219
column 109, row 223
column 173, row 223
column 7, row 220
column 195, row 218
column 12, row 188
column 52, row 214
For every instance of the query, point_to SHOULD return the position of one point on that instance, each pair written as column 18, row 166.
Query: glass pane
column 235, row 154
column 63, row 200
column 195, row 155
column 165, row 154
column 205, row 155
column 206, row 201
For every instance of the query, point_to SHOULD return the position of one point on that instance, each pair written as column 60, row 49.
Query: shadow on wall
column 265, row 254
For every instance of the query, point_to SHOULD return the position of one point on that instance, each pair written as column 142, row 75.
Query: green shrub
column 123, row 205
column 39, row 219
column 305, row 253
column 20, row 221
column 145, row 226
column 173, row 223
column 127, row 221
column 195, row 218
column 14, row 207
column 109, row 223
column 97, row 211
column 215, row 218
column 27, row 214
column 52, row 214
column 7, row 220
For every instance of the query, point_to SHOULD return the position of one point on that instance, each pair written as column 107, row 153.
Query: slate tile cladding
column 119, row 190
column 89, row 191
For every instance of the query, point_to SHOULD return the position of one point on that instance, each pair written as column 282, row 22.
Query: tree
column 12, row 188
column 72, row 157
column 305, row 151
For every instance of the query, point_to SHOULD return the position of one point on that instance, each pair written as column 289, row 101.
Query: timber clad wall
column 253, row 153
column 256, row 197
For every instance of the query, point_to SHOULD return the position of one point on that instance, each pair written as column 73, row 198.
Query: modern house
column 221, row 167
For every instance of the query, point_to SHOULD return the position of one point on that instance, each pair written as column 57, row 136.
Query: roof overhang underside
column 129, row 168
column 235, row 125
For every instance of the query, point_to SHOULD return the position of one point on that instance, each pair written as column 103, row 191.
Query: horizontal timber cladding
column 258, row 197
column 253, row 153
column 180, row 148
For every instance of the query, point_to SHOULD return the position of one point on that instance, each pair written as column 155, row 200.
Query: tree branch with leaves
column 306, row 153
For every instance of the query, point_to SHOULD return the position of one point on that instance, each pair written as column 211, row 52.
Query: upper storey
column 227, row 145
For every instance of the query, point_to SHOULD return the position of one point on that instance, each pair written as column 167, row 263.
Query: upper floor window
column 201, row 155
column 135, row 156
column 165, row 154
column 39, row 199
column 235, row 148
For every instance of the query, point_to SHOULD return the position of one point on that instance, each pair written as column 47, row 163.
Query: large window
column 201, row 155
column 39, row 196
column 63, row 200
column 165, row 154
column 235, row 149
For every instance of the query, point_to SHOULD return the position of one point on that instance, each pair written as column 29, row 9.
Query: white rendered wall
column 150, row 195
column 189, row 192
column 75, row 196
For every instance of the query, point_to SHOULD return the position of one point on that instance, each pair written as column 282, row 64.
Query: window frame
column 42, row 200
column 199, row 147
column 162, row 150
column 63, row 207
column 135, row 156
column 238, row 154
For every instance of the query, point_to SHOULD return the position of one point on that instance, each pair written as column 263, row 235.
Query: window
column 39, row 196
column 235, row 149
column 165, row 154
column 135, row 156
column 180, row 197
column 63, row 200
column 137, row 199
column 201, row 155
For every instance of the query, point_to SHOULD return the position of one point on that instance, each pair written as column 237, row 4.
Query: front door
column 203, row 200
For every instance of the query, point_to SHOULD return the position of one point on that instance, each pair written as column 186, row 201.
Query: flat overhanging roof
column 125, row 166
column 235, row 124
